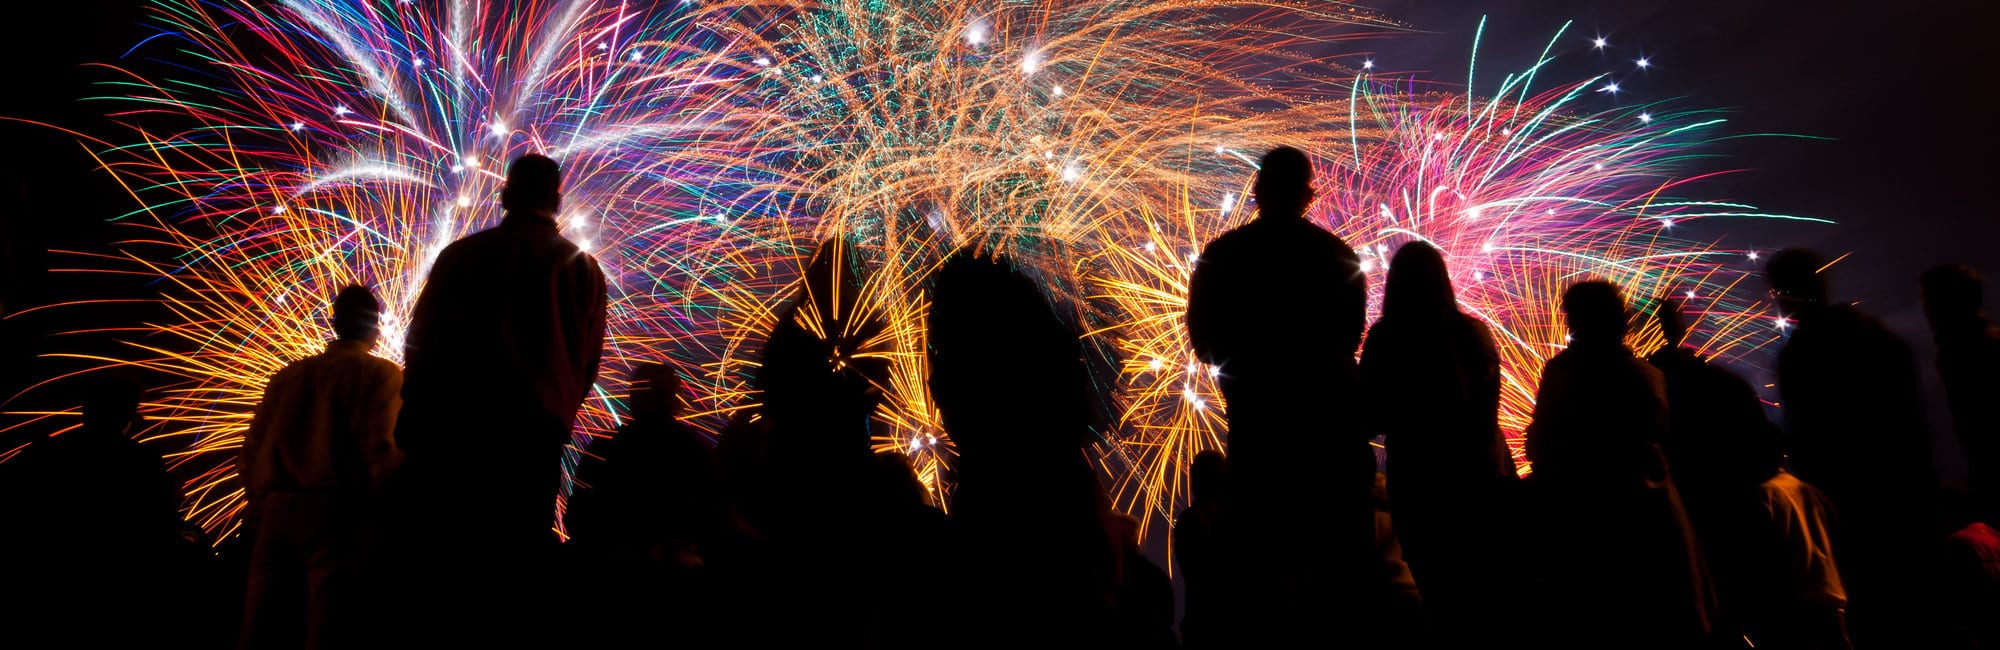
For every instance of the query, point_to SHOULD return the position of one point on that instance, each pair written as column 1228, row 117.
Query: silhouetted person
column 1036, row 550
column 1969, row 363
column 652, row 485
column 317, row 449
column 1856, row 430
column 502, row 347
column 1278, row 305
column 1197, row 551
column 1432, row 377
column 101, row 522
column 1620, row 563
column 832, row 526
column 1766, row 536
column 643, row 516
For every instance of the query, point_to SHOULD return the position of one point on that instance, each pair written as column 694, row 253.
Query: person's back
column 1432, row 379
column 1276, row 307
column 1036, row 548
column 1617, row 554
column 102, row 526
column 1968, row 347
column 502, row 348
column 1856, row 430
column 316, row 451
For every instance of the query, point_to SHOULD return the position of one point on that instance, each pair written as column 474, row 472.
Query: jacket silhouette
column 1037, row 550
column 1619, row 560
column 1968, row 347
column 1278, row 306
column 1856, row 430
column 316, row 450
column 502, row 347
column 1432, row 379
column 94, row 530
column 1766, row 536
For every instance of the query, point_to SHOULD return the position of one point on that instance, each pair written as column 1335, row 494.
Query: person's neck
column 1975, row 323
column 362, row 342
column 529, row 216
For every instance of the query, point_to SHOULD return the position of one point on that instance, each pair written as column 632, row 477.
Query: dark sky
column 1898, row 87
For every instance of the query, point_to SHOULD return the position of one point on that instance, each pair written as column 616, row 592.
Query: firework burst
column 1524, row 191
column 294, row 147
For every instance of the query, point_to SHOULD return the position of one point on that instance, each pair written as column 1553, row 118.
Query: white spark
column 1368, row 64
column 1058, row 91
column 340, row 110
column 277, row 209
column 762, row 61
column 298, row 126
column 465, row 201
column 1031, row 63
column 1228, row 202
column 1753, row 256
column 1600, row 43
column 634, row 56
column 1644, row 63
column 499, row 128
column 1646, row 118
column 1609, row 88
column 1666, row 223
column 1155, row 365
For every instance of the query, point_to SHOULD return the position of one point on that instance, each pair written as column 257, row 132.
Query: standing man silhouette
column 503, row 344
column 315, row 452
column 1855, row 428
column 1276, row 306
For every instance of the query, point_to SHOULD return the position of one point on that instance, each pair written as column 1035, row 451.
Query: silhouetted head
column 534, row 186
column 1595, row 312
column 1206, row 477
column 1952, row 294
column 1419, row 286
column 1672, row 326
column 656, row 392
column 111, row 406
column 823, row 360
column 1284, row 183
column 1795, row 279
column 356, row 314
column 1007, row 373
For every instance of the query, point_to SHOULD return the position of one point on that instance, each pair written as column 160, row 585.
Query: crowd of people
column 412, row 506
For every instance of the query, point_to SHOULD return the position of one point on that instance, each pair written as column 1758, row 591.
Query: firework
column 1524, row 191
column 295, row 147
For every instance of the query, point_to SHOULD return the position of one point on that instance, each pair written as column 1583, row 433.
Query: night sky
column 1897, row 90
